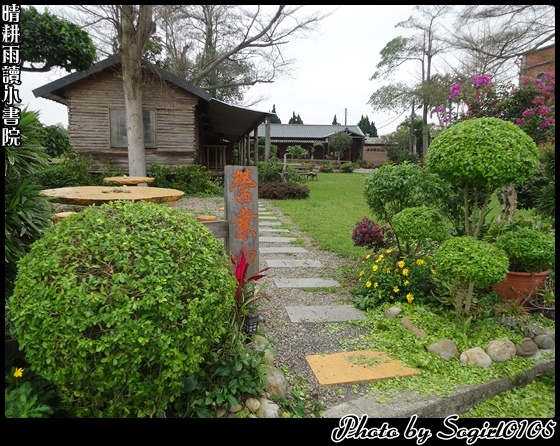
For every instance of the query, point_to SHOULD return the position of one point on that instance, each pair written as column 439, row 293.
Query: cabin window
column 117, row 118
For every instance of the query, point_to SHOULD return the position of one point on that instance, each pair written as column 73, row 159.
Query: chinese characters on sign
column 11, row 75
column 241, row 189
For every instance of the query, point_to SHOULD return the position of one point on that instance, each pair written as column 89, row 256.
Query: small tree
column 466, row 262
column 340, row 142
column 481, row 155
column 297, row 152
column 335, row 122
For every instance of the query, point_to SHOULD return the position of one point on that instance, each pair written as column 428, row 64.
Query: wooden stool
column 60, row 215
column 206, row 218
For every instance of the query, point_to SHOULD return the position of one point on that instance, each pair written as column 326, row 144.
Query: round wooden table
column 130, row 181
column 97, row 195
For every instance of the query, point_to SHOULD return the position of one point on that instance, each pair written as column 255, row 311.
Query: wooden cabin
column 183, row 124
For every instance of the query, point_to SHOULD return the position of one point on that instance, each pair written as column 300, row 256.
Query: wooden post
column 242, row 213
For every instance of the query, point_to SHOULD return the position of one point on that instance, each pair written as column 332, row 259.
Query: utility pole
column 345, row 114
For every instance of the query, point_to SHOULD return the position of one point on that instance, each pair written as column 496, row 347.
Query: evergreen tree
column 275, row 119
column 367, row 126
column 295, row 119
column 335, row 122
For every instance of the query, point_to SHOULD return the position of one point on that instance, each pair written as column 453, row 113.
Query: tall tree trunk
column 133, row 39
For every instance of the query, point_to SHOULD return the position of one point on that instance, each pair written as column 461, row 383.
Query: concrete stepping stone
column 265, row 213
column 294, row 263
column 267, row 229
column 325, row 313
column 277, row 239
column 270, row 223
column 268, row 217
column 305, row 283
column 282, row 250
column 357, row 366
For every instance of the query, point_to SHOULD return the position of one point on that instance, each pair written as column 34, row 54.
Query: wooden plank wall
column 88, row 120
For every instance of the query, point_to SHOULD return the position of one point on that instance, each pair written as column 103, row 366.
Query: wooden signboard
column 242, row 213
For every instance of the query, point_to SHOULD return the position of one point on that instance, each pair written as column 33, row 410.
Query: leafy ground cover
column 335, row 204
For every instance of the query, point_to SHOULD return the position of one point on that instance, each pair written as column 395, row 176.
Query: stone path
column 330, row 369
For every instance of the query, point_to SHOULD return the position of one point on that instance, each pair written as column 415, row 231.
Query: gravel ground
column 294, row 341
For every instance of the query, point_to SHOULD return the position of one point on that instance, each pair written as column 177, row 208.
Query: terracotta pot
column 521, row 287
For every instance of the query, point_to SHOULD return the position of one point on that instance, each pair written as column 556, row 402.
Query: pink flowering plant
column 386, row 277
column 530, row 105
column 367, row 234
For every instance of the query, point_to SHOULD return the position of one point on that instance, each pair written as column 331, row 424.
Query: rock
column 445, row 348
column 544, row 341
column 260, row 342
column 475, row 356
column 418, row 332
column 268, row 409
column 392, row 312
column 527, row 348
column 253, row 404
column 501, row 350
column 276, row 381
column 236, row 408
column 268, row 357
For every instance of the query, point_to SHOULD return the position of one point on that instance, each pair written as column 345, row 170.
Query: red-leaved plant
column 367, row 234
column 246, row 296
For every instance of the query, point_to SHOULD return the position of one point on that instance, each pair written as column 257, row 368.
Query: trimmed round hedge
column 483, row 152
column 117, row 305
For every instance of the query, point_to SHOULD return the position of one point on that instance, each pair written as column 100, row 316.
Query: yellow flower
column 379, row 258
column 434, row 272
column 368, row 284
column 361, row 273
column 375, row 285
column 405, row 272
column 18, row 372
column 409, row 297
column 389, row 251
column 396, row 289
column 375, row 267
column 401, row 264
column 368, row 256
column 420, row 262
column 406, row 282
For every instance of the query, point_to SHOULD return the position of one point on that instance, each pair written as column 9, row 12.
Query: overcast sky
column 331, row 77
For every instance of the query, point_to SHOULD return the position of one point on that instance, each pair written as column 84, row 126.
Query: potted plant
column 531, row 258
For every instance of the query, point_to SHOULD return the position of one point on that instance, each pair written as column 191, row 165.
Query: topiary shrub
column 417, row 226
column 481, row 155
column 280, row 190
column 347, row 168
column 466, row 261
column 118, row 305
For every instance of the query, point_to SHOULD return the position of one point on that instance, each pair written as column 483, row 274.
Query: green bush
column 394, row 187
column 280, row 190
column 193, row 179
column 26, row 214
column 347, row 168
column 467, row 262
column 117, row 305
column 416, row 226
column 528, row 250
column 56, row 141
column 73, row 170
column 481, row 155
